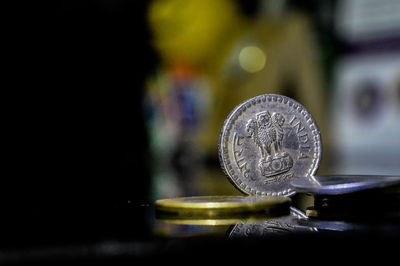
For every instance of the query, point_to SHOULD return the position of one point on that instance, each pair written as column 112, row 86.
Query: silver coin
column 343, row 184
column 267, row 141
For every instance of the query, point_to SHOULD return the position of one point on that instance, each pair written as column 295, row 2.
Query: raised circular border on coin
column 251, row 182
column 214, row 205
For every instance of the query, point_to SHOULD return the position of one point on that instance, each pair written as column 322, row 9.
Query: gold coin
column 212, row 205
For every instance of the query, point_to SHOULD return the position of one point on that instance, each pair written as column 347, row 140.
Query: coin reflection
column 231, row 219
column 272, row 227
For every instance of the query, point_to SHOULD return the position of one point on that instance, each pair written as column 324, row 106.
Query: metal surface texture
column 343, row 184
column 267, row 141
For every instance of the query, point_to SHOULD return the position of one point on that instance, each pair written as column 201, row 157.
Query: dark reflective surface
column 128, row 232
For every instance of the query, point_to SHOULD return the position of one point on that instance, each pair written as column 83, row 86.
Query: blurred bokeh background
column 340, row 59
column 123, row 100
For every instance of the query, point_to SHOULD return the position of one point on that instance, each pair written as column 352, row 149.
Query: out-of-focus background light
column 252, row 59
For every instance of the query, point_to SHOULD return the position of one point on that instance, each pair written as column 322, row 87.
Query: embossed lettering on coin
column 266, row 142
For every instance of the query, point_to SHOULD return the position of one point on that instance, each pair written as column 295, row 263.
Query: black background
column 78, row 132
column 76, row 166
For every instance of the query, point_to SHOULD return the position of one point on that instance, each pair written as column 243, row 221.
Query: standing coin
column 266, row 142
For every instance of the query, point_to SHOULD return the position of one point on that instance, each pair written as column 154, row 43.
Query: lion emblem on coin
column 266, row 131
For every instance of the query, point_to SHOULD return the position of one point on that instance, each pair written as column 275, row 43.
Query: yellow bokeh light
column 192, row 31
column 252, row 59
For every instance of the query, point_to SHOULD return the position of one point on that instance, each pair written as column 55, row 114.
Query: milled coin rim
column 225, row 164
column 179, row 204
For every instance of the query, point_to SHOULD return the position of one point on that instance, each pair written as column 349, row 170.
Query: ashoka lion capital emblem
column 267, row 133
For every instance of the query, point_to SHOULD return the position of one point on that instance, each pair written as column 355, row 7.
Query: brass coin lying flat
column 222, row 204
